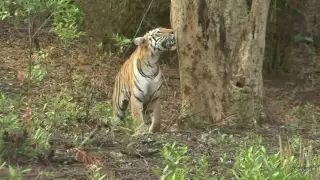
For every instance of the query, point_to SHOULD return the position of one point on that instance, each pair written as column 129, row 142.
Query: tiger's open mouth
column 170, row 43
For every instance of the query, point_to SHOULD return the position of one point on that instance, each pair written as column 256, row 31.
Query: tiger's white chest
column 147, row 82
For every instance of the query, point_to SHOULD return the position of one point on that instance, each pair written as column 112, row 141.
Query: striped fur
column 139, row 80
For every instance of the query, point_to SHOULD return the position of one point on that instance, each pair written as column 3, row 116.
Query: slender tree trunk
column 221, row 50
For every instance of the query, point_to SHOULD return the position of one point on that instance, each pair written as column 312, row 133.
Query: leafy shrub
column 66, row 16
column 178, row 165
column 251, row 162
column 13, row 173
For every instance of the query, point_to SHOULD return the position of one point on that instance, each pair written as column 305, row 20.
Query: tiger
column 139, row 80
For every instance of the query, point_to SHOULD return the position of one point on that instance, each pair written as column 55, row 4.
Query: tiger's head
column 157, row 40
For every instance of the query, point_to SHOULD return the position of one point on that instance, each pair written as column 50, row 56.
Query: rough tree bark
column 221, row 47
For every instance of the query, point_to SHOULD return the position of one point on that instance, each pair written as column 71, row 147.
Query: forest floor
column 293, row 107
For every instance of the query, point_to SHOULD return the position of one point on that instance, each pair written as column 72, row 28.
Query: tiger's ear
column 139, row 41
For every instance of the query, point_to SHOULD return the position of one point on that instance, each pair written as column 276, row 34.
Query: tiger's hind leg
column 120, row 104
column 120, row 114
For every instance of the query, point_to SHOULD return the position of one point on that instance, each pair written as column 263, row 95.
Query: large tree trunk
column 221, row 50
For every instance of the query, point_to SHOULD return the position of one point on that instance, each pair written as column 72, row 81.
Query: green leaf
column 166, row 168
column 12, row 171
column 156, row 172
column 2, row 165
column 25, row 171
column 102, row 177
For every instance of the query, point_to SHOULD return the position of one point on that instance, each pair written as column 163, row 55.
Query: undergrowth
column 29, row 123
column 293, row 162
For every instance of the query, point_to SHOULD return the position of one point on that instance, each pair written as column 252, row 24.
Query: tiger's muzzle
column 169, row 43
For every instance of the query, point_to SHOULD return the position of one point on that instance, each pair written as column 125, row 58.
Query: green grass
column 250, row 162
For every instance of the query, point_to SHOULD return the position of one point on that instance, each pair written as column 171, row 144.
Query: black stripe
column 153, row 38
column 158, row 70
column 147, row 63
column 124, row 104
column 119, row 108
column 145, row 105
column 128, row 94
column 137, row 98
column 150, row 101
column 157, row 90
column 121, row 104
column 119, row 116
column 153, row 99
column 135, row 83
column 135, row 77
column 141, row 71
column 117, row 105
column 117, row 94
column 149, row 112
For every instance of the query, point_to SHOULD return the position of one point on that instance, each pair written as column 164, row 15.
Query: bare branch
column 42, row 26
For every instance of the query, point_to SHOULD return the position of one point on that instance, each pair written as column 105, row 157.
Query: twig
column 31, row 37
column 189, row 101
column 149, row 24
column 42, row 25
column 164, row 79
column 91, row 135
column 30, row 54
column 182, row 109
column 180, row 119
column 135, row 35
column 192, row 115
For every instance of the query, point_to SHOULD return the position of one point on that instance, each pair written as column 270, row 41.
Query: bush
column 251, row 162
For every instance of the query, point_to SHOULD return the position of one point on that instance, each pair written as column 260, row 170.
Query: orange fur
column 125, row 79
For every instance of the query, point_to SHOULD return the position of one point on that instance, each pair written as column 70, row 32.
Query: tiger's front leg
column 137, row 112
column 155, row 117
column 153, row 112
